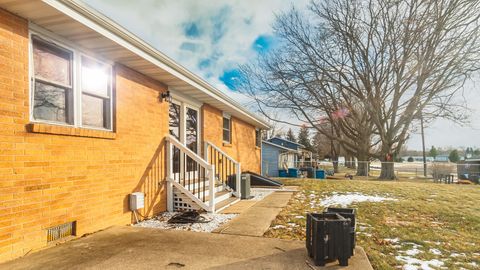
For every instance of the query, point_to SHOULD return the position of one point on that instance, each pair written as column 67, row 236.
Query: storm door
column 184, row 126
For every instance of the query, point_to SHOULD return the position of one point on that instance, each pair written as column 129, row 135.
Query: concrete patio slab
column 144, row 248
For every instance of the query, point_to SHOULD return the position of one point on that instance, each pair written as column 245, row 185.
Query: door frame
column 187, row 103
column 183, row 115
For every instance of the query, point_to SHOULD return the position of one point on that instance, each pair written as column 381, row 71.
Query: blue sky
column 211, row 38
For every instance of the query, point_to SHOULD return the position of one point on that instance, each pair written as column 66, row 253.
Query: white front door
column 184, row 125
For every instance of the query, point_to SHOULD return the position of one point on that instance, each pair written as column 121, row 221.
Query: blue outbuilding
column 275, row 157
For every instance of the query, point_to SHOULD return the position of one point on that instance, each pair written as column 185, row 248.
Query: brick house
column 89, row 114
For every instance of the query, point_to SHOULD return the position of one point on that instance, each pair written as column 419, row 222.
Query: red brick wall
column 48, row 179
column 242, row 147
column 50, row 175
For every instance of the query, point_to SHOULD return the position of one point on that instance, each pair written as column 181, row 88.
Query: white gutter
column 106, row 27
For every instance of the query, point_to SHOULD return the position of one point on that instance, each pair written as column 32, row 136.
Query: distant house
column 442, row 158
column 278, row 153
column 418, row 158
column 286, row 143
column 275, row 157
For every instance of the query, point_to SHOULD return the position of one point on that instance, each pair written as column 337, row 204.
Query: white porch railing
column 191, row 174
column 228, row 169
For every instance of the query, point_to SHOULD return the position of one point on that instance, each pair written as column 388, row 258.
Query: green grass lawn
column 434, row 224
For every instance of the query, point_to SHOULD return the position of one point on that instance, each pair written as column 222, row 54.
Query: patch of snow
column 414, row 263
column 435, row 251
column 455, row 255
column 259, row 194
column 413, row 252
column 474, row 264
column 299, row 217
column 278, row 227
column 362, row 228
column 347, row 199
column 161, row 222
column 392, row 240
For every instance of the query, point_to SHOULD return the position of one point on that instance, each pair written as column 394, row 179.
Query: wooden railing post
column 211, row 182
column 169, row 172
column 205, row 151
column 238, row 186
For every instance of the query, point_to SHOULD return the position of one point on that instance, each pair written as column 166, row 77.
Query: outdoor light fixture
column 165, row 96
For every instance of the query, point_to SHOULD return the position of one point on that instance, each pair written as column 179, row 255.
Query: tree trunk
column 362, row 169
column 353, row 163
column 388, row 171
column 335, row 164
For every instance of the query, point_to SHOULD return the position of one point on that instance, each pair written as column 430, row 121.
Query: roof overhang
column 285, row 149
column 81, row 24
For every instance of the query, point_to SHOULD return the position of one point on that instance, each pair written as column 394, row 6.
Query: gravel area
column 213, row 222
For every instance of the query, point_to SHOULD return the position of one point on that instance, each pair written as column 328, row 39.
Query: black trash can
column 328, row 238
column 348, row 213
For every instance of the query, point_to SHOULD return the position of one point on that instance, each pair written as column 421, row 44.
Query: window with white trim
column 227, row 128
column 52, row 82
column 69, row 87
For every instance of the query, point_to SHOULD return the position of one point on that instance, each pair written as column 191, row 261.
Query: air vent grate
column 61, row 231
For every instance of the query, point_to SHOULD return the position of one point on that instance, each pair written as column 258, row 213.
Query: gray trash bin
column 245, row 186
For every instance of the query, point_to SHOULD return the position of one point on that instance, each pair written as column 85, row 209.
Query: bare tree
column 380, row 63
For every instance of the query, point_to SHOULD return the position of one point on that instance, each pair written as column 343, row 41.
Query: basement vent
column 61, row 231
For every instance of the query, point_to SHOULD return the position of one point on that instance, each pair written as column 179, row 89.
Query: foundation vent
column 61, row 231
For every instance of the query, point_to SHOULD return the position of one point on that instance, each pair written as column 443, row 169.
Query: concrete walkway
column 145, row 248
column 255, row 220
column 236, row 246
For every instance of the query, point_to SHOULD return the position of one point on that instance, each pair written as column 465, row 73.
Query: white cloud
column 161, row 23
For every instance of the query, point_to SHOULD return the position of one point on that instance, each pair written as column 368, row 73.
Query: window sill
column 227, row 144
column 70, row 131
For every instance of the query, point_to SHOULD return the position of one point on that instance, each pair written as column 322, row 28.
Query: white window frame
column 229, row 117
column 109, row 92
column 77, row 54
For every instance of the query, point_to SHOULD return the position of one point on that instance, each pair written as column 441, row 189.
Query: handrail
column 236, row 164
column 189, row 152
column 171, row 182
column 207, row 143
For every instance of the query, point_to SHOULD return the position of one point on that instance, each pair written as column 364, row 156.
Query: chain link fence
column 437, row 171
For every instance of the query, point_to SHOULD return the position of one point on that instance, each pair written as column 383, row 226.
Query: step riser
column 207, row 191
column 220, row 198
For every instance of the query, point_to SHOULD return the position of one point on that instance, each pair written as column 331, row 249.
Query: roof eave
column 69, row 6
